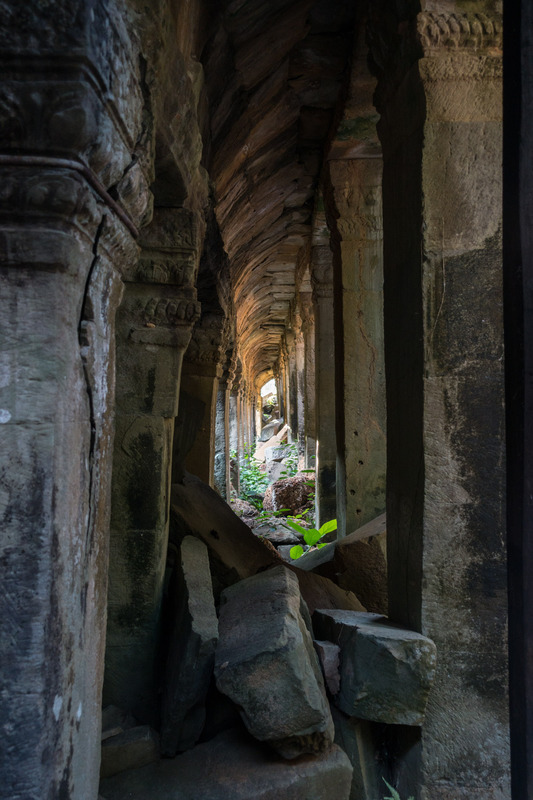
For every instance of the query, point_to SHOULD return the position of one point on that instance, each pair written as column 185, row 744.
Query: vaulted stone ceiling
column 275, row 70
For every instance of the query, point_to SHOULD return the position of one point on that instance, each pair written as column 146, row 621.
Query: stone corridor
column 198, row 197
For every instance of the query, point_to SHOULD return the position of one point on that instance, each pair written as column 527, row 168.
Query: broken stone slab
column 279, row 437
column 134, row 747
column 265, row 662
column 386, row 670
column 233, row 767
column 277, row 534
column 191, row 652
column 329, row 657
column 320, row 592
column 358, row 563
column 234, row 551
column 270, row 429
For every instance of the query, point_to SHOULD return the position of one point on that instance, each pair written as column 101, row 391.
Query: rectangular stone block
column 386, row 670
column 191, row 654
column 266, row 663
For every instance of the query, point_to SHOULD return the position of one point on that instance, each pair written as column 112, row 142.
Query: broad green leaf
column 327, row 527
column 321, row 544
column 312, row 536
column 296, row 551
column 307, row 470
column 296, row 527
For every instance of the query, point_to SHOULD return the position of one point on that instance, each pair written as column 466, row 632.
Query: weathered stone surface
column 270, row 430
column 274, row 441
column 266, row 663
column 131, row 748
column 243, row 508
column 357, row 563
column 356, row 737
column 233, row 767
column 292, row 493
column 277, row 534
column 329, row 657
column 386, row 670
column 320, row 592
column 234, row 552
column 191, row 653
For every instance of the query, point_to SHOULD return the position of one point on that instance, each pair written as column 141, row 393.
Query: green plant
column 311, row 536
column 290, row 462
column 253, row 481
column 393, row 793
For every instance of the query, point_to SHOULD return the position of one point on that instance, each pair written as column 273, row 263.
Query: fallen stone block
column 320, row 592
column 277, row 534
column 134, row 747
column 358, row 563
column 328, row 655
column 265, row 662
column 233, row 767
column 234, row 551
column 386, row 670
column 191, row 652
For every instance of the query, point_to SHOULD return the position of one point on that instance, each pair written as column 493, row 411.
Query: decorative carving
column 459, row 31
column 453, row 46
column 170, row 311
column 179, row 269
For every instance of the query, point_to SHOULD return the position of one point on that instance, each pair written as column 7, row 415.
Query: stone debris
column 328, row 655
column 386, row 670
column 270, row 430
column 358, row 562
column 320, row 592
column 234, row 552
column 278, row 534
column 132, row 748
column 233, row 767
column 191, row 652
column 292, row 493
column 266, row 663
column 275, row 440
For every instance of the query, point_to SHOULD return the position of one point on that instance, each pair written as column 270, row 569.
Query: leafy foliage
column 393, row 793
column 254, row 482
column 311, row 536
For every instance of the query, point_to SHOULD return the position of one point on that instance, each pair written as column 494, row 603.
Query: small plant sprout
column 311, row 536
column 393, row 793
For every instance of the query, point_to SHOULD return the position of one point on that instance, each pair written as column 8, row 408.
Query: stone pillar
column 326, row 448
column 360, row 368
column 309, row 416
column 153, row 330
column 441, row 134
column 221, row 420
column 222, row 432
column 63, row 244
column 200, row 382
column 518, row 316
column 299, row 380
column 292, row 382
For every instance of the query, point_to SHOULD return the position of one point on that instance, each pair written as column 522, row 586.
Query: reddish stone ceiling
column 274, row 73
